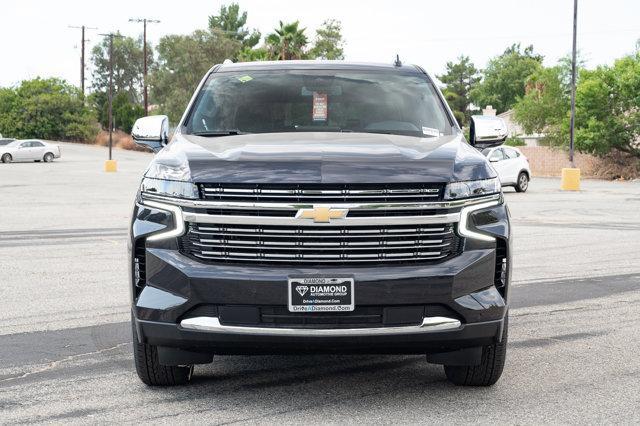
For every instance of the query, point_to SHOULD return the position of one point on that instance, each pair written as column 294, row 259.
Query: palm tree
column 287, row 42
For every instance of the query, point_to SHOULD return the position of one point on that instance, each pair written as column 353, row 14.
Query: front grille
column 322, row 193
column 320, row 244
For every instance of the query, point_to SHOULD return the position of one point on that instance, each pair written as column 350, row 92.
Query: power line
column 82, row 66
column 144, row 54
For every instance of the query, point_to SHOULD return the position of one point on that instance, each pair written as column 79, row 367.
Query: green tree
column 127, row 66
column 288, row 41
column 256, row 54
column 505, row 78
column 231, row 22
column 460, row 78
column 329, row 43
column 608, row 108
column 125, row 112
column 182, row 62
column 544, row 107
column 47, row 109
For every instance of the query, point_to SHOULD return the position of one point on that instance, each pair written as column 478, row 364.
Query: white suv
column 511, row 165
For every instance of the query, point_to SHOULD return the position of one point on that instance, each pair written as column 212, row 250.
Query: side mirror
column 487, row 131
column 152, row 132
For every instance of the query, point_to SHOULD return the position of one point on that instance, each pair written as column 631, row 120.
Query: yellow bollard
column 570, row 179
column 110, row 166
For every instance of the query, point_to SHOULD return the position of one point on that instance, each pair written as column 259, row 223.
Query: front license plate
column 320, row 294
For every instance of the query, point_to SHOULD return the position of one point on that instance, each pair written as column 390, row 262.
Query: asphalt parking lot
column 65, row 345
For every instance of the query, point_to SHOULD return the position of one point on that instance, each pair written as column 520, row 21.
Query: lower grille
column 320, row 245
column 139, row 265
column 361, row 317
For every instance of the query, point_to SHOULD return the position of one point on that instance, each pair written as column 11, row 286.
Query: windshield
column 5, row 141
column 318, row 101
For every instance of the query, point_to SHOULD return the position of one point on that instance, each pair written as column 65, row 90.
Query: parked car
column 319, row 207
column 511, row 165
column 29, row 150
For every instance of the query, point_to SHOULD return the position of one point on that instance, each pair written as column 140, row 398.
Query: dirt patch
column 120, row 140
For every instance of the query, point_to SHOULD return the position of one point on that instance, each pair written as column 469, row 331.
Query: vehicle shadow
column 289, row 383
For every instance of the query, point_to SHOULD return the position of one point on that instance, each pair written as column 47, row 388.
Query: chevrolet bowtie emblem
column 322, row 214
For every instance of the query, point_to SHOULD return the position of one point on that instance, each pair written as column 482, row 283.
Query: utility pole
column 573, row 84
column 144, row 54
column 571, row 175
column 110, row 165
column 82, row 43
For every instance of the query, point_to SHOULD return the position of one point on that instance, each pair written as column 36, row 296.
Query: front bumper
column 245, row 342
column 463, row 307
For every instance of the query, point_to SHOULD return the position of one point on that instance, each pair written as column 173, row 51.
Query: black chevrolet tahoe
column 319, row 207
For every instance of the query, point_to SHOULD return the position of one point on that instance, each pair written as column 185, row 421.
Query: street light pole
column 144, row 53
column 573, row 84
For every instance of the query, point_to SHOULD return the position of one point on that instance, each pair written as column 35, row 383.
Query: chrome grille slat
column 345, row 249
column 263, row 196
column 289, row 260
column 379, row 243
column 319, row 231
column 328, row 234
column 365, row 192
column 319, row 193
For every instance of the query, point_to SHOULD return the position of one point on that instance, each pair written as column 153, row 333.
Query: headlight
column 472, row 188
column 170, row 188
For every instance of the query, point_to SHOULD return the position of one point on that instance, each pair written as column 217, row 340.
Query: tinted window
column 497, row 155
column 4, row 142
column 511, row 153
column 321, row 101
column 36, row 144
column 25, row 144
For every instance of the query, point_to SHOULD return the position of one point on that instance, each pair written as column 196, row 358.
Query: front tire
column 7, row 158
column 490, row 368
column 523, row 182
column 149, row 369
column 48, row 157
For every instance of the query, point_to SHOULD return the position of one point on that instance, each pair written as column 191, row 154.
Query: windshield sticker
column 245, row 78
column 429, row 131
column 319, row 106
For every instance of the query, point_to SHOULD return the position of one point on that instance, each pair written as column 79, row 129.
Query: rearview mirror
column 487, row 131
column 152, row 132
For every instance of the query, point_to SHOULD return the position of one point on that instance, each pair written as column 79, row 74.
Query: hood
column 323, row 158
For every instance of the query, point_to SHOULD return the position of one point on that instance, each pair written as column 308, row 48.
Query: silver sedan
column 29, row 150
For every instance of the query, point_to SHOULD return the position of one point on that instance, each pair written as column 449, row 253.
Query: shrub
column 46, row 109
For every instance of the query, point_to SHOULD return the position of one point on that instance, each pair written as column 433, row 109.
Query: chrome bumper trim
column 212, row 324
column 287, row 206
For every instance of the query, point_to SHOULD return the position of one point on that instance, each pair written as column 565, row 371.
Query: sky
column 36, row 40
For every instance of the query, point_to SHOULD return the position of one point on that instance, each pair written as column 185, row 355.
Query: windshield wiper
column 214, row 133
